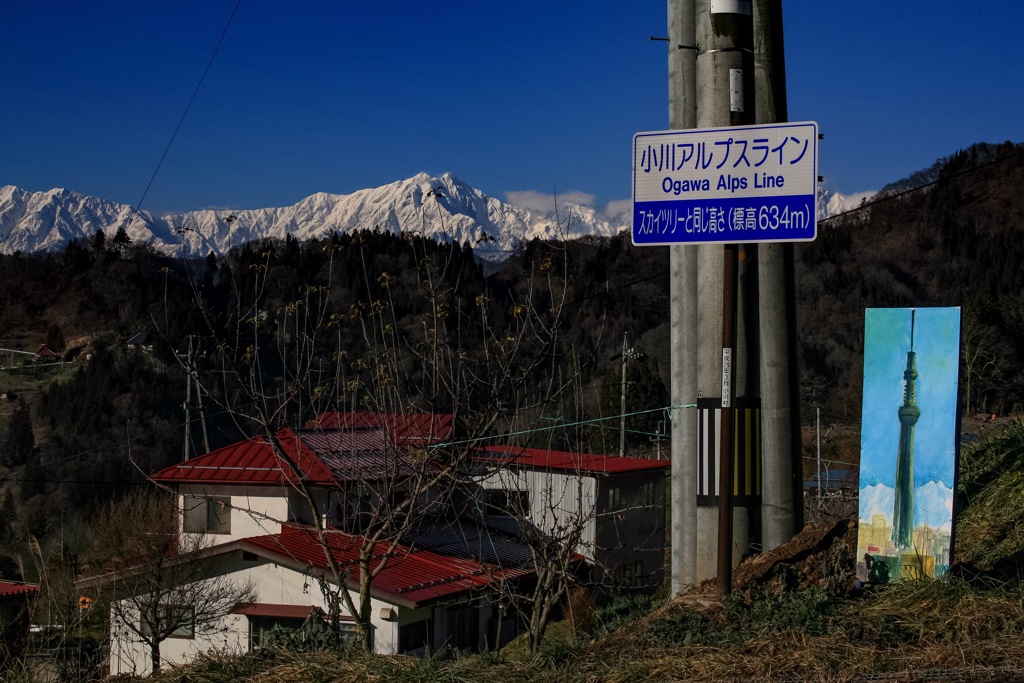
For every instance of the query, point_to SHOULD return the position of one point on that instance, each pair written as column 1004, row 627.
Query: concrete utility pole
column 682, row 89
column 725, row 78
column 782, row 504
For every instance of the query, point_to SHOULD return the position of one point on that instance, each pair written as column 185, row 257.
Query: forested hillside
column 957, row 241
column 75, row 434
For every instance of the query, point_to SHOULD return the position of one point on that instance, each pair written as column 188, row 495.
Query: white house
column 619, row 501
column 443, row 578
column 446, row 578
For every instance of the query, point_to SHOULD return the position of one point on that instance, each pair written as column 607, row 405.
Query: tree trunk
column 154, row 657
column 363, row 619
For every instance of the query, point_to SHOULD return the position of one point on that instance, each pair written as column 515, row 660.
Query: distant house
column 14, row 619
column 620, row 500
column 833, row 480
column 46, row 355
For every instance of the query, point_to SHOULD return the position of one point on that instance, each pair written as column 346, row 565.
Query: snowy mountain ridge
column 442, row 207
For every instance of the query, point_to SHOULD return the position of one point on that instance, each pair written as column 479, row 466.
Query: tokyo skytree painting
column 909, row 446
column 909, row 413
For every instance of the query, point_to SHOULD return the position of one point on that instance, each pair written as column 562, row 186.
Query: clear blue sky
column 334, row 96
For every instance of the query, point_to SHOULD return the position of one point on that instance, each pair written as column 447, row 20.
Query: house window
column 419, row 635
column 647, row 494
column 179, row 620
column 614, row 498
column 632, row 573
column 207, row 515
column 261, row 628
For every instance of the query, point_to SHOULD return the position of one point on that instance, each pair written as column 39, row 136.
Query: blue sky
column 886, row 342
column 334, row 96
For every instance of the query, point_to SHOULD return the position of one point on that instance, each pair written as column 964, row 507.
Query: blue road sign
column 726, row 185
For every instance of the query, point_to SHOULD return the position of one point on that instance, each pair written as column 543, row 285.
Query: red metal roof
column 324, row 456
column 252, row 461
column 411, row 576
column 404, row 428
column 10, row 589
column 584, row 463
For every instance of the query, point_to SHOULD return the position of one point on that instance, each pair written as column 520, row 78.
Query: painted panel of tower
column 908, row 442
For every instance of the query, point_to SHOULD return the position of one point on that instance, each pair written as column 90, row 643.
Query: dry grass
column 952, row 629
column 942, row 630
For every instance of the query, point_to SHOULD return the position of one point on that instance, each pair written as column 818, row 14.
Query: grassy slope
column 956, row 626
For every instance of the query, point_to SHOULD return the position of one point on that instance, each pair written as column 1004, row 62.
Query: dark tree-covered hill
column 111, row 413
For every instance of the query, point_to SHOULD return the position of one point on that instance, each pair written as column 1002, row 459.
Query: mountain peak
column 457, row 213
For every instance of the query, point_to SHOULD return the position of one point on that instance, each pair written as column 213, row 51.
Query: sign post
column 740, row 184
column 726, row 185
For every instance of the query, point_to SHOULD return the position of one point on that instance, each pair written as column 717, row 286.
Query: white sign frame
column 738, row 184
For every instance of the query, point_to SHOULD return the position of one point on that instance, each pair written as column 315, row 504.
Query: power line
column 889, row 197
column 138, row 206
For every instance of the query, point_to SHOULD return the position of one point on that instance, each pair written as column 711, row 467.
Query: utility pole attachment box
column 726, row 185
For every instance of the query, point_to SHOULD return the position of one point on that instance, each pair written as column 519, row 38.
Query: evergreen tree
column 55, row 338
column 99, row 242
column 20, row 441
column 121, row 241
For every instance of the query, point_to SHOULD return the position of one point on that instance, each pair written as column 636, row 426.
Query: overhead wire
column 181, row 120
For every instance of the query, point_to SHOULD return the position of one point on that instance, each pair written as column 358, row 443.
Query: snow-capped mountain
column 933, row 504
column 831, row 203
column 441, row 207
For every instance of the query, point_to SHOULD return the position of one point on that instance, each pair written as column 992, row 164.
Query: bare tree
column 157, row 583
column 981, row 356
column 556, row 560
column 420, row 339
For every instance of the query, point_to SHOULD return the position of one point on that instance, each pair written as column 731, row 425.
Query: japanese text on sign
column 740, row 184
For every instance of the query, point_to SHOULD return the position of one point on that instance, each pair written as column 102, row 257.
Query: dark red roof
column 407, row 429
column 252, row 461
column 10, row 589
column 412, row 576
column 584, row 463
column 340, row 447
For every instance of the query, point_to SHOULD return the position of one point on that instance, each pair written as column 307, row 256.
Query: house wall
column 275, row 584
column 254, row 510
column 630, row 542
column 557, row 500
column 620, row 531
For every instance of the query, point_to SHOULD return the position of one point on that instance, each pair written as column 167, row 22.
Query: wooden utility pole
column 628, row 354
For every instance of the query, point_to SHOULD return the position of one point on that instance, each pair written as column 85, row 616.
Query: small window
column 648, row 494
column 178, row 619
column 207, row 515
column 218, row 515
column 632, row 573
column 614, row 498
